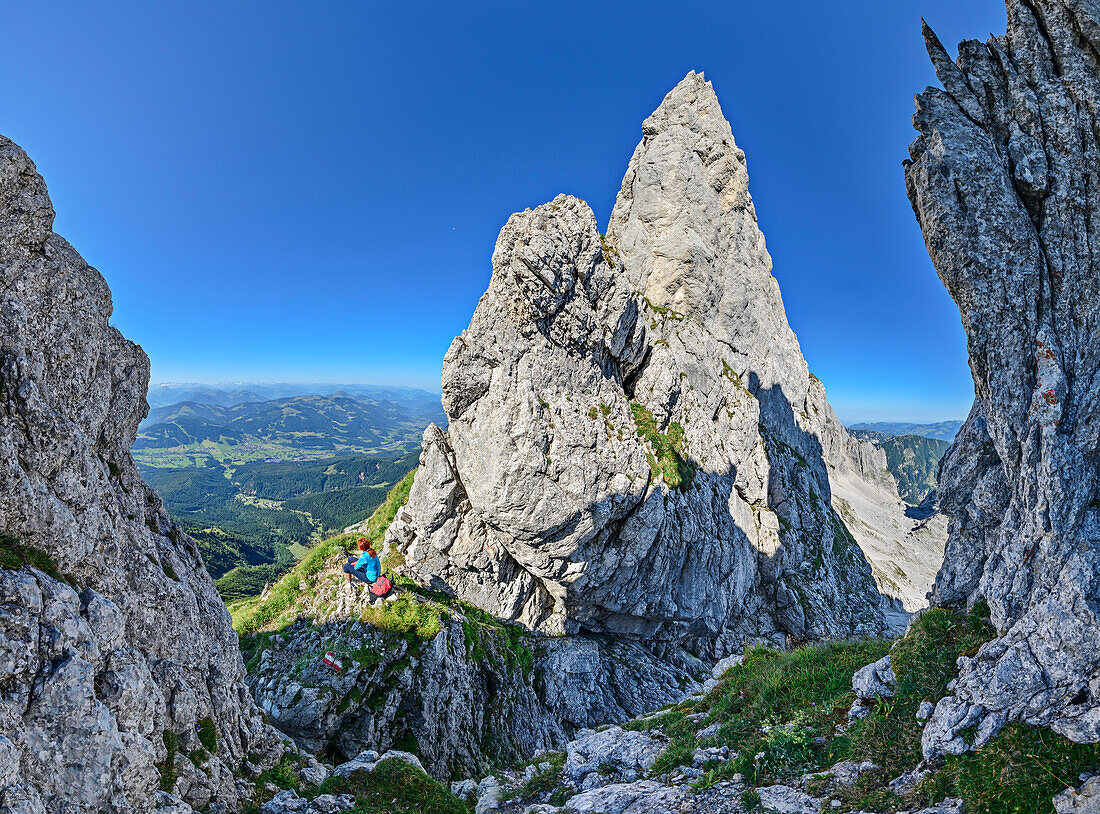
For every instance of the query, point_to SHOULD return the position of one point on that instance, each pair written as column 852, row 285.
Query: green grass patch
column 406, row 617
column 394, row 787
column 609, row 251
column 15, row 555
column 1015, row 773
column 167, row 768
column 208, row 735
column 665, row 455
column 545, row 780
column 924, row 663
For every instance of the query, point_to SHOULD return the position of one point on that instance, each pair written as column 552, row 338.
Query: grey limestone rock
column 1003, row 179
column 1083, row 800
column 876, row 679
column 135, row 641
column 611, row 750
column 453, row 706
column 642, row 797
column 787, row 800
column 635, row 444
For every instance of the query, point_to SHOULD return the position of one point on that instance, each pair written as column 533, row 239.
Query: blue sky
column 311, row 191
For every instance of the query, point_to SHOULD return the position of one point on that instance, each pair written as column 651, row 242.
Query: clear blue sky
column 311, row 191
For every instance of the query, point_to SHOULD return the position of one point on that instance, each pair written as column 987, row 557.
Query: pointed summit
column 686, row 227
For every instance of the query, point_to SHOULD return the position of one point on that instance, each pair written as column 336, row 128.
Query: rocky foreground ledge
column 832, row 727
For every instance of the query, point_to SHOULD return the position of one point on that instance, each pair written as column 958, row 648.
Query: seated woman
column 366, row 568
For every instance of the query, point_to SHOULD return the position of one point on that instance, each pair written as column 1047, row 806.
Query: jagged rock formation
column 473, row 695
column 1004, row 179
column 635, row 443
column 136, row 643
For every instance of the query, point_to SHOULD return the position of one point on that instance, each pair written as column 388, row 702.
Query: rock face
column 136, row 643
column 472, row 696
column 1003, row 180
column 635, row 444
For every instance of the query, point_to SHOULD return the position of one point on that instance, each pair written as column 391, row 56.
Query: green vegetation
column 911, row 459
column 544, row 780
column 208, row 735
column 229, row 531
column 280, row 480
column 665, row 455
column 167, row 768
column 659, row 309
column 406, row 617
column 340, row 508
column 785, row 713
column 610, row 253
column 255, row 484
column 774, row 703
column 15, row 555
column 393, row 787
column 248, row 580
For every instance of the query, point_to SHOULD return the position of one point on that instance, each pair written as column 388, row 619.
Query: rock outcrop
column 466, row 693
column 133, row 642
column 635, row 444
column 1003, row 180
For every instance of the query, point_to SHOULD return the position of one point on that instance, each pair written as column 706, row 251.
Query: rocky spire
column 1003, row 180
column 636, row 445
column 132, row 649
column 686, row 226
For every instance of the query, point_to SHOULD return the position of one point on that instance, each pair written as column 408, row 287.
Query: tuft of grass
column 609, row 251
column 666, row 457
column 1015, row 773
column 283, row 774
column 544, row 780
column 406, row 617
column 208, row 735
column 167, row 769
column 15, row 555
column 924, row 663
column 395, row 787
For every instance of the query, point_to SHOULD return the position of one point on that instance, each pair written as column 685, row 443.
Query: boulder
column 1082, row 800
column 612, row 750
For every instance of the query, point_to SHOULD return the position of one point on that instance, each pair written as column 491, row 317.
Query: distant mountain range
column 942, row 430
column 913, row 460
column 228, row 394
column 255, row 480
column 336, row 422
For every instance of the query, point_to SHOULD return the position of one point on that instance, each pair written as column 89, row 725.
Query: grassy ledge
column 667, row 456
column 15, row 555
column 785, row 715
column 393, row 787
